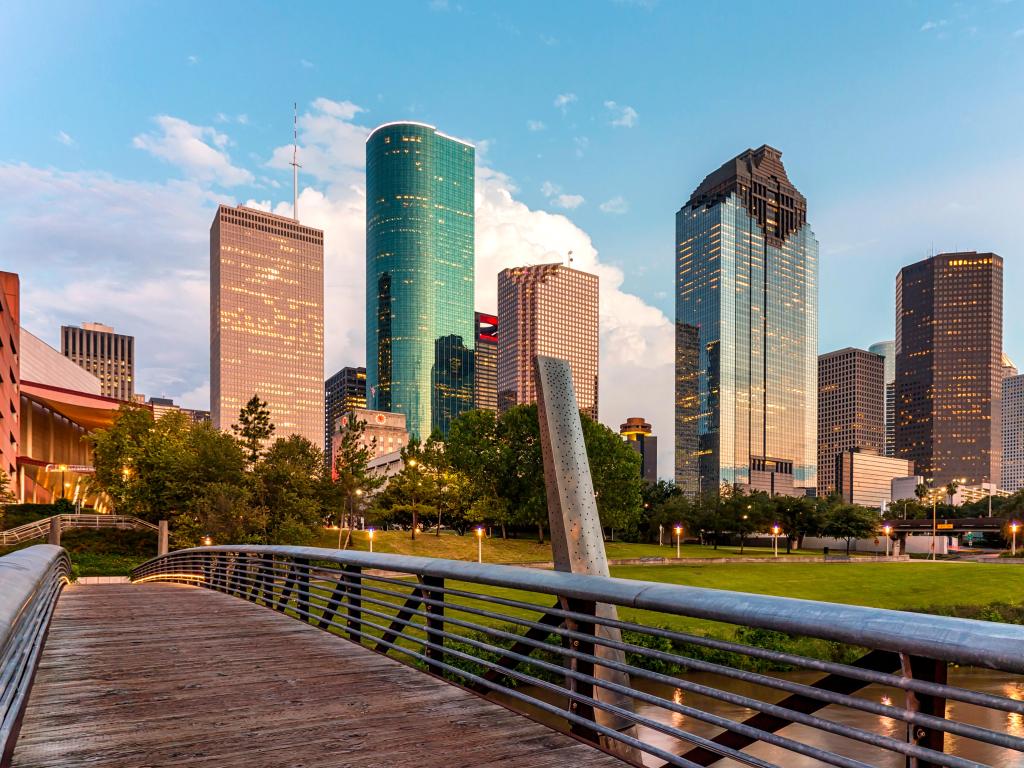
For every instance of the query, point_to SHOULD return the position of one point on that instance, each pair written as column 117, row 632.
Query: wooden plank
column 171, row 675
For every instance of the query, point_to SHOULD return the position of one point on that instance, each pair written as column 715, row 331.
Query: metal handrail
column 30, row 583
column 449, row 629
column 40, row 528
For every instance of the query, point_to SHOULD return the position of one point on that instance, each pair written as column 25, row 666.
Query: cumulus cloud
column 563, row 100
column 622, row 116
column 559, row 199
column 200, row 151
column 617, row 204
column 535, row 125
column 130, row 254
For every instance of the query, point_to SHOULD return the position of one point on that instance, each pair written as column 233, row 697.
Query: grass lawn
column 453, row 547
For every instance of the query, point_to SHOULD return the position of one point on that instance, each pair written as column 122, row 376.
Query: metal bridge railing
column 540, row 642
column 40, row 528
column 30, row 583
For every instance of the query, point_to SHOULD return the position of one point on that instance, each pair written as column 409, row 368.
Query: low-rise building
column 865, row 477
column 385, row 432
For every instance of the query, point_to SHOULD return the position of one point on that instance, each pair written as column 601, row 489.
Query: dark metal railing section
column 30, row 583
column 537, row 641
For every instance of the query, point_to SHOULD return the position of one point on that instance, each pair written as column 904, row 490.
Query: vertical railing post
column 302, row 588
column 54, row 537
column 933, row 671
column 435, row 617
column 268, row 578
column 353, row 575
column 220, row 577
column 582, row 667
column 162, row 539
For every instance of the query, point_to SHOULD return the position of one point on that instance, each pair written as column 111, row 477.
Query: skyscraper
column 344, row 391
column 850, row 409
column 1012, row 473
column 949, row 343
column 551, row 310
column 107, row 355
column 419, row 275
column 887, row 349
column 485, row 370
column 637, row 433
column 267, row 320
column 10, row 373
column 746, row 331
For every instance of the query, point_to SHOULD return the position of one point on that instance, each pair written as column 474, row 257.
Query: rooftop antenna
column 570, row 258
column 295, row 163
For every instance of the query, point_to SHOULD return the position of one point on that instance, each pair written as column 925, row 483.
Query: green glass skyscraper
column 746, row 332
column 419, row 275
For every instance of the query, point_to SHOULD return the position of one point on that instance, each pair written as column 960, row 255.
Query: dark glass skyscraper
column 419, row 275
column 949, row 372
column 887, row 349
column 343, row 392
column 746, row 331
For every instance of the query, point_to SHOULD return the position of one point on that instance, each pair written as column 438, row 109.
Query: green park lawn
column 523, row 550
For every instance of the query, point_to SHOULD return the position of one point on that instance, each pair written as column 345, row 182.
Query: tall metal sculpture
column 577, row 541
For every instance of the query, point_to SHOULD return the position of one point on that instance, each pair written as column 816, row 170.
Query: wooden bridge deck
column 165, row 675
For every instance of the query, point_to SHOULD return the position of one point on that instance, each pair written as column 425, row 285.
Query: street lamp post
column 480, row 544
column 934, row 500
column 775, row 540
column 679, row 533
column 887, row 530
column 1013, row 530
column 370, row 532
column 412, row 463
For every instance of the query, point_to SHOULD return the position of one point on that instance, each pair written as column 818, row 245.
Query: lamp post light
column 415, row 517
column 1013, row 529
column 679, row 535
column 207, row 541
column 370, row 532
column 888, row 532
column 775, row 540
column 479, row 543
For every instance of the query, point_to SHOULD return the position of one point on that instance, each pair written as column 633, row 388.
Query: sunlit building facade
column 344, row 391
column 10, row 372
column 550, row 310
column 636, row 431
column 746, row 332
column 485, row 364
column 107, row 355
column 949, row 371
column 1013, row 434
column 267, row 320
column 419, row 275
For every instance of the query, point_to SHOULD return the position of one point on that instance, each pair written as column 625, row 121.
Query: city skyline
column 178, row 142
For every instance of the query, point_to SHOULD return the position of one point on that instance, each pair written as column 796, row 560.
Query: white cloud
column 242, row 119
column 930, row 25
column 622, row 116
column 535, row 125
column 65, row 139
column 563, row 100
column 581, row 142
column 200, row 151
column 617, row 204
column 306, row 64
column 192, row 60
column 1019, row 32
column 554, row 193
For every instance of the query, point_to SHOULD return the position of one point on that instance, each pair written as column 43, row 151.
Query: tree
column 850, row 522
column 351, row 475
column 291, row 490
column 797, row 517
column 615, row 471
column 254, row 427
column 7, row 496
column 476, row 450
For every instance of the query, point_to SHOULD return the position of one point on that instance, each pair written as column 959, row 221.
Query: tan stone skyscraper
column 267, row 320
column 551, row 310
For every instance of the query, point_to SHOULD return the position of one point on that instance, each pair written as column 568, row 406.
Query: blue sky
column 899, row 121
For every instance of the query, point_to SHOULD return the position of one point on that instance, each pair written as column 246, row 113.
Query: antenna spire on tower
column 295, row 163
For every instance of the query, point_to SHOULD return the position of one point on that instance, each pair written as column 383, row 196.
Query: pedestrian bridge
column 286, row 656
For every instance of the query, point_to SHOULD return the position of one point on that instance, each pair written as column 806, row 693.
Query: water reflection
column 998, row 683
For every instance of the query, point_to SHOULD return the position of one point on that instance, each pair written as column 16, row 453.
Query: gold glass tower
column 551, row 310
column 267, row 320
